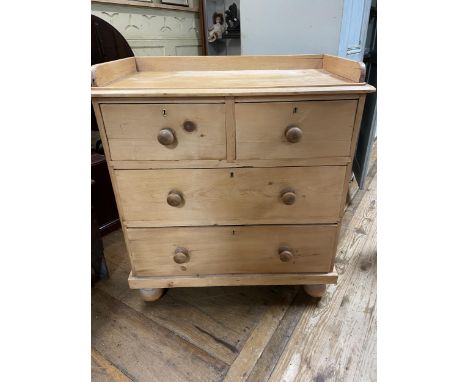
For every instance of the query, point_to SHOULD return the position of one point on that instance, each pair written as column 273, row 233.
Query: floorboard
column 335, row 338
column 102, row 370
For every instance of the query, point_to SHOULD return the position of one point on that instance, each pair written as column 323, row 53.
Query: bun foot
column 151, row 294
column 315, row 290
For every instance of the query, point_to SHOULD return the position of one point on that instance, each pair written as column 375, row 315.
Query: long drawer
column 294, row 130
column 225, row 196
column 221, row 250
column 165, row 131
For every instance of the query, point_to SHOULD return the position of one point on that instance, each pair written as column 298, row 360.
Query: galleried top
column 227, row 76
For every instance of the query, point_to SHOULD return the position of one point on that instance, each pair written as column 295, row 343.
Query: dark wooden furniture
column 102, row 196
column 98, row 261
column 107, row 44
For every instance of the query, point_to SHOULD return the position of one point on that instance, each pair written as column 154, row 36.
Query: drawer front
column 293, row 130
column 218, row 250
column 179, row 197
column 165, row 131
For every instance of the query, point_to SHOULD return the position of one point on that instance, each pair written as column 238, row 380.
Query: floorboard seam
column 146, row 318
column 123, row 371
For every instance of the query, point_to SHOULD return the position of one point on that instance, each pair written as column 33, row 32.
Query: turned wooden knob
column 175, row 198
column 166, row 137
column 189, row 126
column 293, row 134
column 181, row 256
column 288, row 197
column 285, row 255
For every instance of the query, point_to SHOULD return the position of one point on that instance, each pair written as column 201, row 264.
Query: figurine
column 217, row 30
column 232, row 21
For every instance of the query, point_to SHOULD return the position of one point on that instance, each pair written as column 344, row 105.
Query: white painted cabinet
column 152, row 31
column 353, row 32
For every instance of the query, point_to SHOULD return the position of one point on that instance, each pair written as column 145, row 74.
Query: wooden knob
column 285, row 255
column 166, row 137
column 181, row 256
column 189, row 126
column 288, row 197
column 175, row 198
column 293, row 134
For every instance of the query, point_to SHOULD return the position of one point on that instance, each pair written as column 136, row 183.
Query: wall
column 153, row 32
column 291, row 27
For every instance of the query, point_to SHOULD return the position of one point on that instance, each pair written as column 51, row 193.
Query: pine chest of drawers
column 230, row 170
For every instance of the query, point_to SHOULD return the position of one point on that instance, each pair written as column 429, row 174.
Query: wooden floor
column 249, row 334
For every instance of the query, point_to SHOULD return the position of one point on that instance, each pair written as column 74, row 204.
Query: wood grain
column 119, row 334
column 230, row 79
column 221, row 250
column 274, row 348
column 233, row 75
column 105, row 73
column 235, row 181
column 207, row 163
column 299, row 90
column 105, row 144
column 230, row 130
column 357, row 124
column 132, row 131
column 294, row 98
column 232, row 280
column 261, row 335
column 347, row 313
column 231, row 196
column 327, row 128
column 354, row 140
column 224, row 63
column 220, row 320
column 201, row 316
column 349, row 69
column 291, row 181
column 178, row 100
column 102, row 370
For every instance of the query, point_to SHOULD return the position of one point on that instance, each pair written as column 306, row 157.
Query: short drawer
column 218, row 250
column 224, row 196
column 165, row 131
column 293, row 130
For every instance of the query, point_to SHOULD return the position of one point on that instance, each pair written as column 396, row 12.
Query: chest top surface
column 228, row 76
